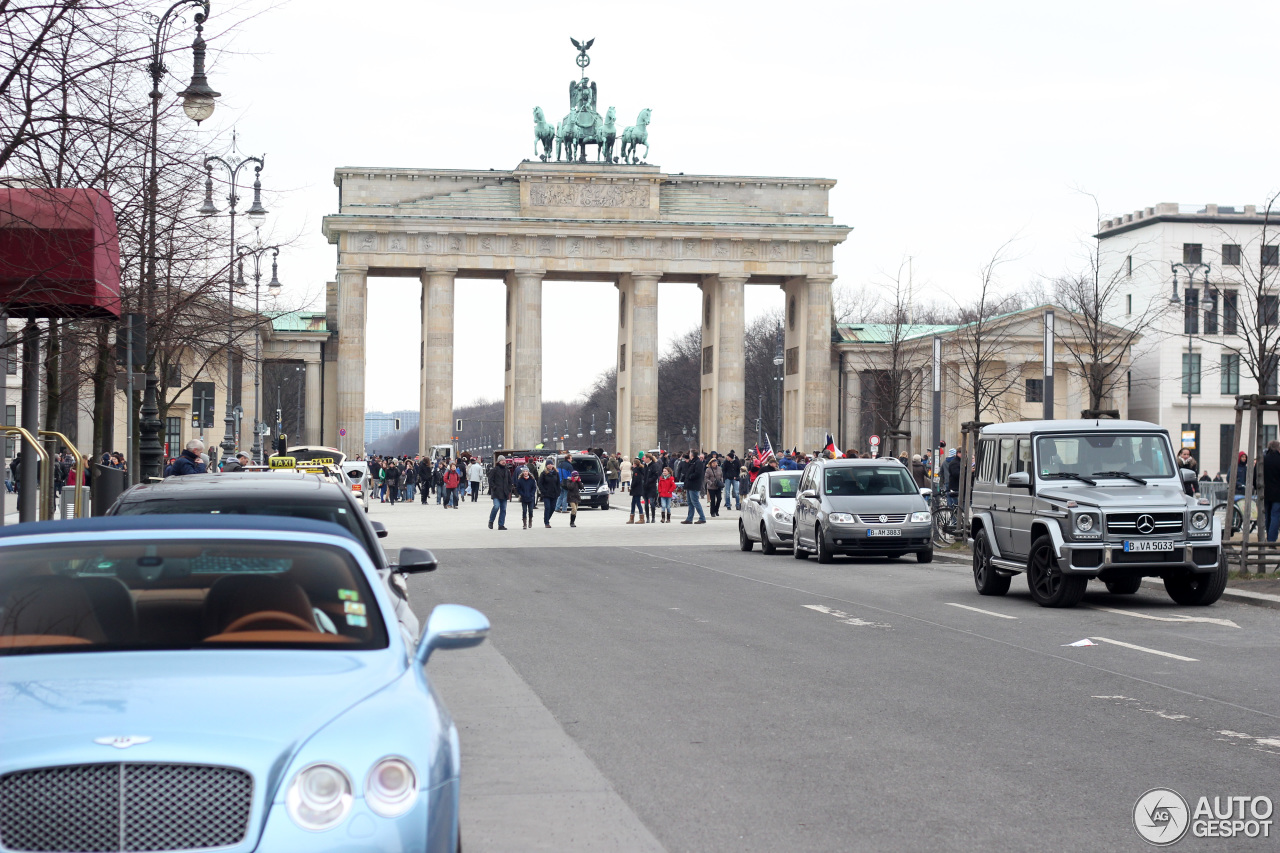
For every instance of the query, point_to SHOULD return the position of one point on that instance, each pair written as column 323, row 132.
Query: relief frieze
column 588, row 195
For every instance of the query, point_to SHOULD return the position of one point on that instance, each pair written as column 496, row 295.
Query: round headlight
column 319, row 797
column 1199, row 520
column 392, row 787
column 1084, row 522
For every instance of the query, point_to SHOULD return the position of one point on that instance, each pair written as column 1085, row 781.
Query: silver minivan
column 863, row 508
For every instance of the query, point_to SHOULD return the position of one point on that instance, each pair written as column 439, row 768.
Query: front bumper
column 1109, row 557
column 857, row 539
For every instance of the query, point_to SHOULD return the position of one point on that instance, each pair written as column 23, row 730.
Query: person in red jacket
column 666, row 488
column 450, row 488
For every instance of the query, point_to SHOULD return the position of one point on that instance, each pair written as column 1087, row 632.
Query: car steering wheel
column 269, row 620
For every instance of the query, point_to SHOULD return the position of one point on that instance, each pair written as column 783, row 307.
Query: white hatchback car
column 357, row 471
column 767, row 510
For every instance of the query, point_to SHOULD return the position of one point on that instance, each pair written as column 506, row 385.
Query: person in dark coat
column 694, row 477
column 573, row 492
column 1271, row 488
column 637, row 491
column 732, row 468
column 527, row 489
column 953, row 465
column 500, row 491
column 652, row 473
column 189, row 462
column 391, row 479
column 549, row 489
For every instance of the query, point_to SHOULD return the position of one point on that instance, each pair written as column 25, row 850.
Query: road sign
column 874, row 441
column 1189, row 439
column 342, row 432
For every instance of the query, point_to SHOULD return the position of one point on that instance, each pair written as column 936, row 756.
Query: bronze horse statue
column 635, row 136
column 544, row 133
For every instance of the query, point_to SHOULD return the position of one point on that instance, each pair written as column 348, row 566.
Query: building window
column 622, row 358
column 1268, row 309
column 1271, row 364
column 1190, row 373
column 1035, row 391
column 1191, row 311
column 173, row 436
column 1128, row 304
column 1211, row 312
column 1231, row 374
column 1230, row 255
column 1128, row 265
column 1192, row 253
column 708, row 360
column 1230, row 312
column 1268, row 434
column 1270, row 256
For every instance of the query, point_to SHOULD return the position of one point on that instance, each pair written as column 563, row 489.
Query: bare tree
column 984, row 343
column 1255, row 313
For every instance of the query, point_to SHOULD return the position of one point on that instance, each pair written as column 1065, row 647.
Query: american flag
column 763, row 456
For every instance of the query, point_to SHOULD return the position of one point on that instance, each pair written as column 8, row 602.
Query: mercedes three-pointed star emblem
column 122, row 741
column 1146, row 524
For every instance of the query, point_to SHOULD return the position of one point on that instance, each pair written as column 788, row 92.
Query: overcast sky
column 951, row 127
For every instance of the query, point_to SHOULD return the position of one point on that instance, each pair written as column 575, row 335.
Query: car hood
column 1121, row 497
column 251, row 709
column 877, row 504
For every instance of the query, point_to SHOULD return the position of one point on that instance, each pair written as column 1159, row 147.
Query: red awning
column 59, row 253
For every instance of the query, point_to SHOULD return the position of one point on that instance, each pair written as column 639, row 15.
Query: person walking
column 732, row 467
column 186, row 463
column 565, row 468
column 424, row 480
column 549, row 489
column 1271, row 488
column 613, row 471
column 694, row 479
column 450, row 488
column 573, row 491
column 652, row 473
column 392, row 480
column 919, row 472
column 237, row 463
column 410, row 481
column 1186, row 460
column 715, row 485
column 474, row 475
column 500, row 491
column 624, row 473
column 636, row 486
column 666, row 490
column 527, row 489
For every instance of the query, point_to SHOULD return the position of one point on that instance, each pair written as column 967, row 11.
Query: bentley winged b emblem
column 122, row 741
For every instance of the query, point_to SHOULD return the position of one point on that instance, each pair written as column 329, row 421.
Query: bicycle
column 946, row 525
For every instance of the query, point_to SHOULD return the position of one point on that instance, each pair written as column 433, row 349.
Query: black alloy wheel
column 798, row 552
column 985, row 578
column 820, row 544
column 1048, row 585
column 1198, row 590
column 744, row 541
column 766, row 546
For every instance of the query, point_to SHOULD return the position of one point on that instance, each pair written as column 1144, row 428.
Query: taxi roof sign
column 283, row 462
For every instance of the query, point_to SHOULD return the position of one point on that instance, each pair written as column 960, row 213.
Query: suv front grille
column 883, row 518
column 1127, row 523
column 101, row 807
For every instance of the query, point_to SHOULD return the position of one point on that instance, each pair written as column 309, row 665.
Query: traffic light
column 282, row 445
column 195, row 418
column 458, row 426
column 278, row 418
column 397, row 424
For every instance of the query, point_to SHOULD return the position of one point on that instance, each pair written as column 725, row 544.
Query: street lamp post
column 273, row 287
column 198, row 103
column 1188, row 326
column 779, row 377
column 256, row 212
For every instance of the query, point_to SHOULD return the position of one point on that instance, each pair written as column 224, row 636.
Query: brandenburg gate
column 614, row 220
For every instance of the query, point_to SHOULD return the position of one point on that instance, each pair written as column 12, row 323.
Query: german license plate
column 884, row 531
column 1148, row 545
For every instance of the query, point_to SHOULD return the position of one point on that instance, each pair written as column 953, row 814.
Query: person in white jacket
column 626, row 474
column 475, row 474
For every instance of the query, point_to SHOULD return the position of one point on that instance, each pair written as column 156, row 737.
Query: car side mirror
column 1188, row 476
column 380, row 529
column 451, row 626
column 1018, row 480
column 809, row 493
column 926, row 493
column 415, row 560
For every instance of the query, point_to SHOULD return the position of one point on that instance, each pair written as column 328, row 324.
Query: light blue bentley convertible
column 194, row 682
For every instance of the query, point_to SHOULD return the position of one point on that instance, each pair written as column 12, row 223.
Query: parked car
column 285, row 494
column 232, row 683
column 861, row 507
column 1066, row 501
column 595, row 485
column 767, row 511
column 357, row 471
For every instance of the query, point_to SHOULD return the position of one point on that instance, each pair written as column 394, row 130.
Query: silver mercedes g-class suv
column 1066, row 501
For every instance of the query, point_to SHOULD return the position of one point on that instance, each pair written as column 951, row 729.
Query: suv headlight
column 840, row 517
column 1084, row 522
column 918, row 517
column 782, row 515
column 392, row 787
column 1200, row 520
column 319, row 797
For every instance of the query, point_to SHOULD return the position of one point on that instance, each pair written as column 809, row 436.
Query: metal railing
column 81, row 466
column 44, row 507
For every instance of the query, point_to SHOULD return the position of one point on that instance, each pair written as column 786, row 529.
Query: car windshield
column 852, row 481
column 784, row 485
column 589, row 470
column 184, row 594
column 334, row 513
column 1093, row 454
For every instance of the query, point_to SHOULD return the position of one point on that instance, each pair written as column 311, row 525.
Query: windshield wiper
column 1125, row 474
column 1068, row 475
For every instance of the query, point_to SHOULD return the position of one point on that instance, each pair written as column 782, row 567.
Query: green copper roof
column 299, row 321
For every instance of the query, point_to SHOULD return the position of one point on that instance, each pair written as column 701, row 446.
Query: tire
column 744, row 541
column 820, row 544
column 985, row 578
column 1124, row 586
column 1198, row 590
column 766, row 547
column 895, row 556
column 605, row 506
column 924, row 556
column 1048, row 585
column 798, row 552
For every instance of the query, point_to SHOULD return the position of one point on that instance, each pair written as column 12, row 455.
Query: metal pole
column 935, row 469
column 29, row 482
column 228, row 439
column 1048, row 364
column 257, row 368
column 128, row 410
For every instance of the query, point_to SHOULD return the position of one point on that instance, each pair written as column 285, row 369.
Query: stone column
column 522, row 411
column 311, row 402
column 638, row 362
column 723, row 362
column 806, row 362
column 436, row 412
column 352, row 292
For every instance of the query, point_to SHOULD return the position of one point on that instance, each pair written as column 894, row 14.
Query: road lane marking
column 845, row 617
column 1227, row 623
column 1145, row 649
column 980, row 610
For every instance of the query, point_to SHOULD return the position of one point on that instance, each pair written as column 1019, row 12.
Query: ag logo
column 1161, row 816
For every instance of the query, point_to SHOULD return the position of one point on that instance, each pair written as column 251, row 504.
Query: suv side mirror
column 380, row 529
column 451, row 626
column 1018, row 480
column 1188, row 476
column 415, row 560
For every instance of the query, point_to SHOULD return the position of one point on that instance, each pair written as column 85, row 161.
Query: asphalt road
column 705, row 699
